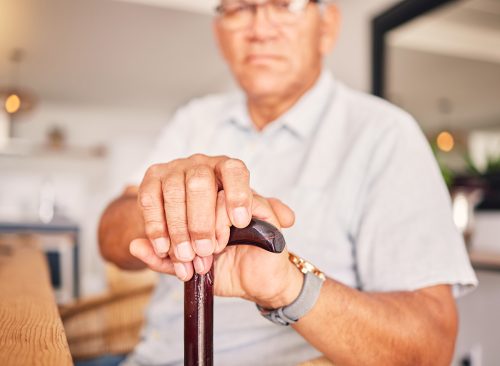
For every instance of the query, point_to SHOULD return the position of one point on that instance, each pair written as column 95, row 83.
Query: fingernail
column 199, row 266
column 180, row 270
column 184, row 251
column 240, row 216
column 204, row 247
column 161, row 246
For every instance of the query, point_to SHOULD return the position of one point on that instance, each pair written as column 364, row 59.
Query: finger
column 142, row 249
column 174, row 201
column 235, row 180
column 284, row 213
column 202, row 264
column 222, row 223
column 201, row 195
column 131, row 190
column 183, row 271
column 150, row 201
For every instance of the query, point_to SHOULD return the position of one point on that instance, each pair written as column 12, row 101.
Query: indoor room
column 249, row 182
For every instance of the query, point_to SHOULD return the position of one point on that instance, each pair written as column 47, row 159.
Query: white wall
column 84, row 183
column 351, row 60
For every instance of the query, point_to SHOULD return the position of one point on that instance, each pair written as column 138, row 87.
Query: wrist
column 284, row 312
column 292, row 285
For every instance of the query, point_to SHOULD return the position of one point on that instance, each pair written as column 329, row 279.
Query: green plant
column 471, row 167
column 492, row 165
column 447, row 173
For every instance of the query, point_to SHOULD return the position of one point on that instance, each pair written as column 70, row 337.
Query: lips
column 262, row 58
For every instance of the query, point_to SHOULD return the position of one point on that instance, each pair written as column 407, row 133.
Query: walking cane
column 199, row 296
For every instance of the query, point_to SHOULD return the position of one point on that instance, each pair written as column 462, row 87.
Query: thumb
column 262, row 210
column 285, row 214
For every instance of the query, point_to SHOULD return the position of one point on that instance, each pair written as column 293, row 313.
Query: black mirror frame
column 385, row 22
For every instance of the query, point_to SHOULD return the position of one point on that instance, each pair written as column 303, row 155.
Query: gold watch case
column 305, row 266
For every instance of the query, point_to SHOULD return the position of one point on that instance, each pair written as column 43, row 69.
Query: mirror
column 444, row 68
column 440, row 61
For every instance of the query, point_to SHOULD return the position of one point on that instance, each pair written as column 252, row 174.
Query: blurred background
column 86, row 85
column 443, row 66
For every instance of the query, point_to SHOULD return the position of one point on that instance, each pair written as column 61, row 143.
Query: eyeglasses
column 235, row 15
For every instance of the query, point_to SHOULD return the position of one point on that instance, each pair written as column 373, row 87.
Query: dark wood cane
column 199, row 296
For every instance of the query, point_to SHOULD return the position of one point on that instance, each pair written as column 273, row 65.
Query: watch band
column 311, row 288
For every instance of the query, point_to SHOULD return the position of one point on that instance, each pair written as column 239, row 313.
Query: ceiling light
column 445, row 141
column 12, row 103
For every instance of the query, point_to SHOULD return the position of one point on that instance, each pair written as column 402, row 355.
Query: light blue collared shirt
column 371, row 210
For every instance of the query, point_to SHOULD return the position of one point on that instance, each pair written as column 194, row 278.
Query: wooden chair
column 111, row 323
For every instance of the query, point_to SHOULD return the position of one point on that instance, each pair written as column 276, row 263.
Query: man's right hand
column 178, row 204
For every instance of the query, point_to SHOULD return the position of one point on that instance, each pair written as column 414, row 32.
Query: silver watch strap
column 306, row 300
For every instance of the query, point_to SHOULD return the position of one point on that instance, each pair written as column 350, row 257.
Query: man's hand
column 189, row 205
column 178, row 201
column 270, row 280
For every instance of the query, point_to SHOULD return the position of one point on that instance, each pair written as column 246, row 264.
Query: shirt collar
column 237, row 112
column 301, row 119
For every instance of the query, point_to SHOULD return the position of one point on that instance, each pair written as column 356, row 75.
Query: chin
column 261, row 85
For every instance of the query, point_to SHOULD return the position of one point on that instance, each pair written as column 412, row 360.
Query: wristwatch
column 313, row 281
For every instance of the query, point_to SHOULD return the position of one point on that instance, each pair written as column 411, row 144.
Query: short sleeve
column 406, row 238
column 172, row 143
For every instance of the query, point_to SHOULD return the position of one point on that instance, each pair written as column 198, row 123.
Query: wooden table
column 31, row 331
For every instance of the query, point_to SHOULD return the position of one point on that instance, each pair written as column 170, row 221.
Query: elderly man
column 371, row 210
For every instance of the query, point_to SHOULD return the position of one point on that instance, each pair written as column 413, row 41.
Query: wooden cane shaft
column 198, row 320
column 199, row 296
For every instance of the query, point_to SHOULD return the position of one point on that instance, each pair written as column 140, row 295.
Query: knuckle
column 235, row 165
column 201, row 171
column 145, row 200
column 199, row 179
column 203, row 234
column 154, row 228
column 171, row 180
column 199, row 229
column 154, row 170
column 173, row 163
column 173, row 193
column 177, row 228
column 174, row 196
column 197, row 158
column 237, row 197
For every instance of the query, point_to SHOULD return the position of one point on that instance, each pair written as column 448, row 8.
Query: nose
column 262, row 24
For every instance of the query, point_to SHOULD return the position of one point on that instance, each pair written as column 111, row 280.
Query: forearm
column 120, row 223
column 404, row 328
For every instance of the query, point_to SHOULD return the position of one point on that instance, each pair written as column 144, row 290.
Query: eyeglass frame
column 220, row 8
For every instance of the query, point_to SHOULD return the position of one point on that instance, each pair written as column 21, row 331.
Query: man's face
column 272, row 59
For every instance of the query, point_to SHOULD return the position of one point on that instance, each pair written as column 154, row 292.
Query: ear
column 330, row 27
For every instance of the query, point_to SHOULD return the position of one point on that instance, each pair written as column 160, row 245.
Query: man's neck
column 264, row 110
